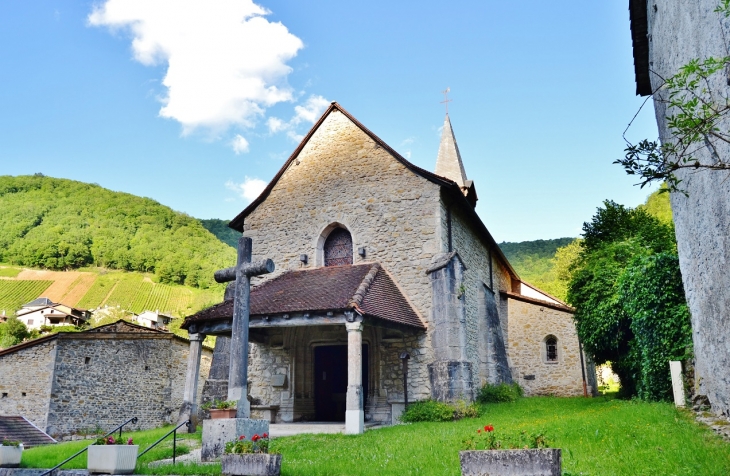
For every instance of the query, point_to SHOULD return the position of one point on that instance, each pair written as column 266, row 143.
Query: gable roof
column 41, row 301
column 640, row 44
column 446, row 184
column 367, row 288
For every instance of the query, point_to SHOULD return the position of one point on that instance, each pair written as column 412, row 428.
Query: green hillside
column 657, row 204
column 13, row 293
column 534, row 262
column 62, row 224
column 220, row 229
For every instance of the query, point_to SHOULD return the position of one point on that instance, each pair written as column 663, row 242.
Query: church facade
column 379, row 261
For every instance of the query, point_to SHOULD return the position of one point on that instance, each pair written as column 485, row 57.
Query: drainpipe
column 582, row 368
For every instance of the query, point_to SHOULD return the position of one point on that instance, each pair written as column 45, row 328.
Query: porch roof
column 365, row 288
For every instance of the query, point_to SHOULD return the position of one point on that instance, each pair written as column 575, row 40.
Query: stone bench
column 267, row 412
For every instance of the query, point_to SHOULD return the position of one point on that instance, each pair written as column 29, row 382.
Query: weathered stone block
column 451, row 380
column 542, row 462
column 216, row 433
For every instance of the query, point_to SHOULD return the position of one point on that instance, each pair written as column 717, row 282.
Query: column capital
column 353, row 326
column 196, row 337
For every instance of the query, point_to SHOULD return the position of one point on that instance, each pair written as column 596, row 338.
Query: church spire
column 448, row 162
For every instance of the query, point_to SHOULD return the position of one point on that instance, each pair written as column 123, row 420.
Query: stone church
column 380, row 261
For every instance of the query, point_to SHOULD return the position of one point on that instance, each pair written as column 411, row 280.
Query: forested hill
column 220, row 229
column 63, row 224
column 533, row 261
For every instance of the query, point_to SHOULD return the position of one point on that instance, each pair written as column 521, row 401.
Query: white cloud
column 225, row 62
column 239, row 144
column 249, row 189
column 308, row 112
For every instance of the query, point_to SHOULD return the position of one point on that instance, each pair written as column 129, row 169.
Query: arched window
column 338, row 248
column 551, row 349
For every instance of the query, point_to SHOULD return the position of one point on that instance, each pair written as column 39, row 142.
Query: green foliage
column 9, row 272
column 614, row 300
column 14, row 294
column 61, row 224
column 256, row 444
column 533, row 261
column 432, row 410
column 219, row 405
column 10, row 443
column 221, row 231
column 56, row 329
column 499, row 393
column 488, row 438
column 651, row 293
column 427, row 410
column 657, row 205
column 12, row 332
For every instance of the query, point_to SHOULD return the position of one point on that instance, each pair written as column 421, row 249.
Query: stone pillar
column 451, row 373
column 354, row 414
column 189, row 408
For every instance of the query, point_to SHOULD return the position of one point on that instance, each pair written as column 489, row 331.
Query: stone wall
column 476, row 255
column 679, row 31
column 25, row 382
column 81, row 381
column 529, row 325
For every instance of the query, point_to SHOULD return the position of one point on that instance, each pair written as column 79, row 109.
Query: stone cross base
column 451, row 381
column 216, row 433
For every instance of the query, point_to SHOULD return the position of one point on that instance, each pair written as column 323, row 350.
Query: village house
column 153, row 319
column 44, row 312
column 73, row 382
column 377, row 261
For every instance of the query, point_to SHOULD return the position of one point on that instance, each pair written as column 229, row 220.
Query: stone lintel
column 216, row 433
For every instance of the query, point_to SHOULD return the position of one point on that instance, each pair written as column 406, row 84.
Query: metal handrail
column 133, row 421
column 174, row 440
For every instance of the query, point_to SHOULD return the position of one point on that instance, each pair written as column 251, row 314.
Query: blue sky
column 209, row 100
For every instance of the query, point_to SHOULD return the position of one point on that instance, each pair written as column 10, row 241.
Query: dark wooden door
column 330, row 381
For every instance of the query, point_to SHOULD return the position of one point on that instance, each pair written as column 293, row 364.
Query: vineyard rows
column 137, row 296
column 15, row 293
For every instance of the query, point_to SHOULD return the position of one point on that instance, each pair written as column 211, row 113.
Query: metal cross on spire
column 446, row 100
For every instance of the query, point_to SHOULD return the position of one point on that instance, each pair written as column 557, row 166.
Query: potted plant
column 220, row 409
column 524, row 454
column 10, row 454
column 112, row 456
column 250, row 457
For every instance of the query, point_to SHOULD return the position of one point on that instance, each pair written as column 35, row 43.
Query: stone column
column 189, row 408
column 354, row 414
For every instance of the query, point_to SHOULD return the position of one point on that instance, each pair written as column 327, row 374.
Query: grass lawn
column 599, row 437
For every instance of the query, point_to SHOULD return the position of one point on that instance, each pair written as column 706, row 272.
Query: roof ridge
column 362, row 290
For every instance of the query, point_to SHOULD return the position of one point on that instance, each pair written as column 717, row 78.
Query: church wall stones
column 529, row 325
column 344, row 177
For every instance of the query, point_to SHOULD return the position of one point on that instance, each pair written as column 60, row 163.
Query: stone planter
column 251, row 464
column 542, row 462
column 216, row 414
column 112, row 459
column 10, row 456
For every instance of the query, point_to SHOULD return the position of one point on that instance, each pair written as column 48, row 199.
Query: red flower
column 479, row 431
column 242, row 437
column 489, row 428
column 255, row 437
column 266, row 435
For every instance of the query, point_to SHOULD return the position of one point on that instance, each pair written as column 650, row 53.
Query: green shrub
column 503, row 392
column 432, row 410
column 427, row 410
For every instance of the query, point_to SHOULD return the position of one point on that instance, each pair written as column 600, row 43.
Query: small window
column 338, row 248
column 87, row 360
column 30, row 322
column 551, row 349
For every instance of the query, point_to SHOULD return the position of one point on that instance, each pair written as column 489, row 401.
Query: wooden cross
column 238, row 366
column 446, row 100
